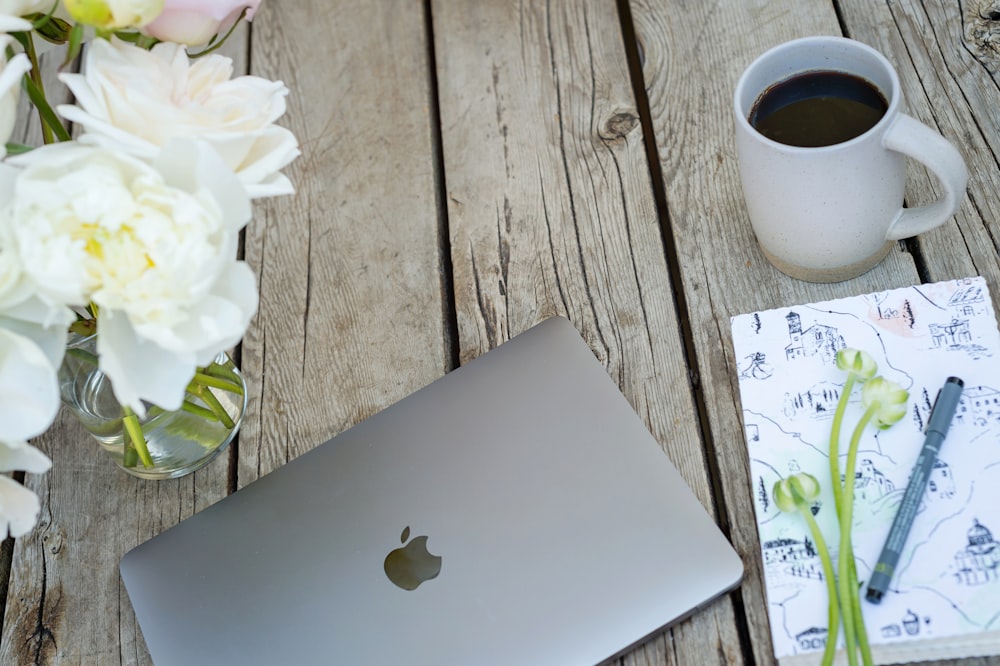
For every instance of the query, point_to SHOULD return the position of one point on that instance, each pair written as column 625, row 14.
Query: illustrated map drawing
column 947, row 583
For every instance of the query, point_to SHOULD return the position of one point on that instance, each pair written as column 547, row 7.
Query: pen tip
column 956, row 380
column 874, row 596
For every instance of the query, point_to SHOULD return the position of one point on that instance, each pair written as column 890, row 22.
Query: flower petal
column 139, row 100
column 19, row 455
column 29, row 390
column 140, row 369
column 19, row 508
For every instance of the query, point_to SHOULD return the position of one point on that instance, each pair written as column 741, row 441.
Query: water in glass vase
column 170, row 444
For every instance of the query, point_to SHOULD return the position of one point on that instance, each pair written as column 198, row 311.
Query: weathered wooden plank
column 946, row 59
column 351, row 313
column 65, row 600
column 692, row 61
column 551, row 211
column 950, row 84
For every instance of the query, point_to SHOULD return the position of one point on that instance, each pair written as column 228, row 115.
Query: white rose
column 153, row 246
column 136, row 100
column 11, row 12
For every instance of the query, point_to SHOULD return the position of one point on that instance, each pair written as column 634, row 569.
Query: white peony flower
column 18, row 505
column 12, row 11
column 153, row 246
column 32, row 342
column 136, row 100
column 11, row 72
column 32, row 339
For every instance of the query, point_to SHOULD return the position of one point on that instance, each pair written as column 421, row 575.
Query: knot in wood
column 618, row 125
column 982, row 33
column 989, row 10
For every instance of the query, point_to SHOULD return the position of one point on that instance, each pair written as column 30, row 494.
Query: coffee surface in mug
column 818, row 108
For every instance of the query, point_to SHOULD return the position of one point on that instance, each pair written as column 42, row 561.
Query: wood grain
column 399, row 258
column 946, row 86
column 690, row 74
column 351, row 312
column 550, row 211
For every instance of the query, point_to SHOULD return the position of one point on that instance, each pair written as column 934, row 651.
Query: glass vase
column 167, row 444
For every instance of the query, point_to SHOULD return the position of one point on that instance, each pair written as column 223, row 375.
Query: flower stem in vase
column 135, row 438
column 213, row 404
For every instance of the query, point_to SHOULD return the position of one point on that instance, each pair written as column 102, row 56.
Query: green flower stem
column 190, row 408
column 199, row 411
column 213, row 403
column 222, row 372
column 83, row 355
column 846, row 553
column 833, row 609
column 36, row 78
column 859, row 620
column 216, row 44
column 134, row 432
column 52, row 127
column 204, row 380
column 838, row 420
column 129, row 455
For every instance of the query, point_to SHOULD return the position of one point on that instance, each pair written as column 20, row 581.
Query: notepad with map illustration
column 944, row 597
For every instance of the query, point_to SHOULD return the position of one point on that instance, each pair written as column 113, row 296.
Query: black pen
column 942, row 414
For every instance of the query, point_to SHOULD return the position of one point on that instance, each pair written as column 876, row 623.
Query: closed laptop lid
column 564, row 533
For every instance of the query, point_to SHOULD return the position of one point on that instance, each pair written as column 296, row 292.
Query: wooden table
column 470, row 168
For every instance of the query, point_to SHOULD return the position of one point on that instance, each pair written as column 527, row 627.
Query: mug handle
column 914, row 139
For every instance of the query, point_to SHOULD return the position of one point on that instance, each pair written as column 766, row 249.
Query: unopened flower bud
column 114, row 14
column 857, row 362
column 888, row 397
column 796, row 491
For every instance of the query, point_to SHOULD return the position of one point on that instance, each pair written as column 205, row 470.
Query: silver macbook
column 517, row 511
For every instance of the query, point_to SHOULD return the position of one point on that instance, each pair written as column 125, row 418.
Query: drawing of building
column 911, row 623
column 813, row 638
column 778, row 551
column 979, row 561
column 965, row 298
column 811, row 570
column 941, row 483
column 952, row 334
column 871, row 484
column 820, row 400
column 817, row 339
column 980, row 404
column 890, row 631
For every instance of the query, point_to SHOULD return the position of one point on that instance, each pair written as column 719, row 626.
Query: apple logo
column 411, row 565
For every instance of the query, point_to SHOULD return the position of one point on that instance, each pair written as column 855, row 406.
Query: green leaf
column 18, row 148
column 49, row 117
column 84, row 327
column 137, row 38
column 50, row 28
column 75, row 44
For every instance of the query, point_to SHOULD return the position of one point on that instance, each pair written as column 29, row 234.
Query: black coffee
column 818, row 109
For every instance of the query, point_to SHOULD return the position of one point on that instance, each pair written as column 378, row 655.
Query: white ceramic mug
column 831, row 213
